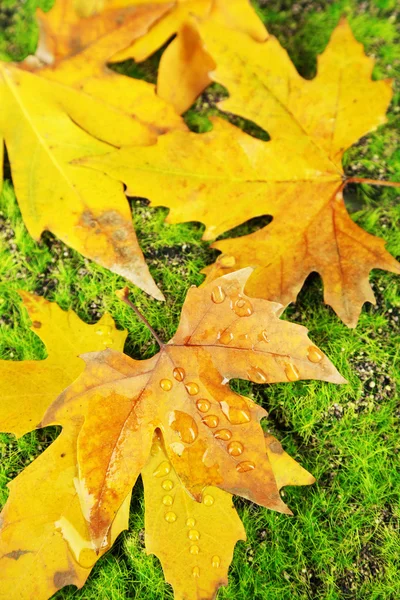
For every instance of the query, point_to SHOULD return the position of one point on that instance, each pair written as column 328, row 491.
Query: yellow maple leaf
column 225, row 177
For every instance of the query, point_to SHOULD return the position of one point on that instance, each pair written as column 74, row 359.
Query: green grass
column 342, row 542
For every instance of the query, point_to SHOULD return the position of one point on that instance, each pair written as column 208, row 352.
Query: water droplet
column 196, row 572
column 170, row 517
column 225, row 337
column 185, row 426
column 263, row 337
column 245, row 466
column 210, row 420
column 191, row 522
column 193, row 535
column 243, row 307
column 236, row 410
column 192, row 388
column 292, row 372
column 203, row 405
column 179, row 373
column 257, row 375
column 208, row 500
column 167, row 485
column 166, row 384
column 235, row 448
column 162, row 469
column 218, row 295
column 227, row 261
column 108, row 342
column 215, row 561
column 168, row 500
column 314, row 354
column 223, row 434
column 103, row 330
column 194, row 549
column 87, row 558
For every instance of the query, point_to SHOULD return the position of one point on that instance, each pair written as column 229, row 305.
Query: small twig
column 371, row 181
column 124, row 296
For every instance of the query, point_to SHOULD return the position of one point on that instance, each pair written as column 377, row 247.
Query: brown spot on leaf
column 276, row 447
column 16, row 554
column 63, row 578
column 37, row 324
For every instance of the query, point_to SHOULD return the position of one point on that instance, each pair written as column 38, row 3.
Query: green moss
column 342, row 542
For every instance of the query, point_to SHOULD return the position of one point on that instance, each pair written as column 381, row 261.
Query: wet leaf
column 212, row 435
column 44, row 540
column 225, row 177
column 54, row 116
column 184, row 66
column 195, row 540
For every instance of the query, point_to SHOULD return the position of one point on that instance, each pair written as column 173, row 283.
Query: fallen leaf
column 195, row 540
column 185, row 66
column 225, row 177
column 212, row 435
column 88, row 212
column 44, row 541
column 70, row 26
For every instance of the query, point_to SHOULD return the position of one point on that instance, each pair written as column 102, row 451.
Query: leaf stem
column 124, row 296
column 371, row 181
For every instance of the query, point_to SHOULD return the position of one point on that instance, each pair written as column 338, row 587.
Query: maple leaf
column 212, row 435
column 311, row 123
column 195, row 540
column 68, row 119
column 44, row 540
column 185, row 66
column 72, row 25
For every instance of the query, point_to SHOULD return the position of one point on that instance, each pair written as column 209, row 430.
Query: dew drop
column 223, row 434
column 203, row 405
column 166, row 385
column 192, row 388
column 225, row 337
column 167, row 485
column 215, row 561
column 243, row 307
column 191, row 522
column 227, row 261
column 170, row 517
column 292, row 372
column 218, row 295
column 314, row 354
column 194, row 549
column 162, row 469
column 196, row 572
column 185, row 426
column 263, row 337
column 193, row 535
column 210, row 420
column 257, row 375
column 235, row 448
column 236, row 410
column 245, row 466
column 87, row 558
column 108, row 342
column 168, row 500
column 208, row 500
column 103, row 330
column 179, row 373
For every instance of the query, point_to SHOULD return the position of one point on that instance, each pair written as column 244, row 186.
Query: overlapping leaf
column 44, row 541
column 195, row 540
column 212, row 435
column 225, row 177
column 60, row 114
column 184, row 66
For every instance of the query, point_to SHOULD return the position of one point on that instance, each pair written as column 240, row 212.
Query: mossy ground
column 343, row 541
